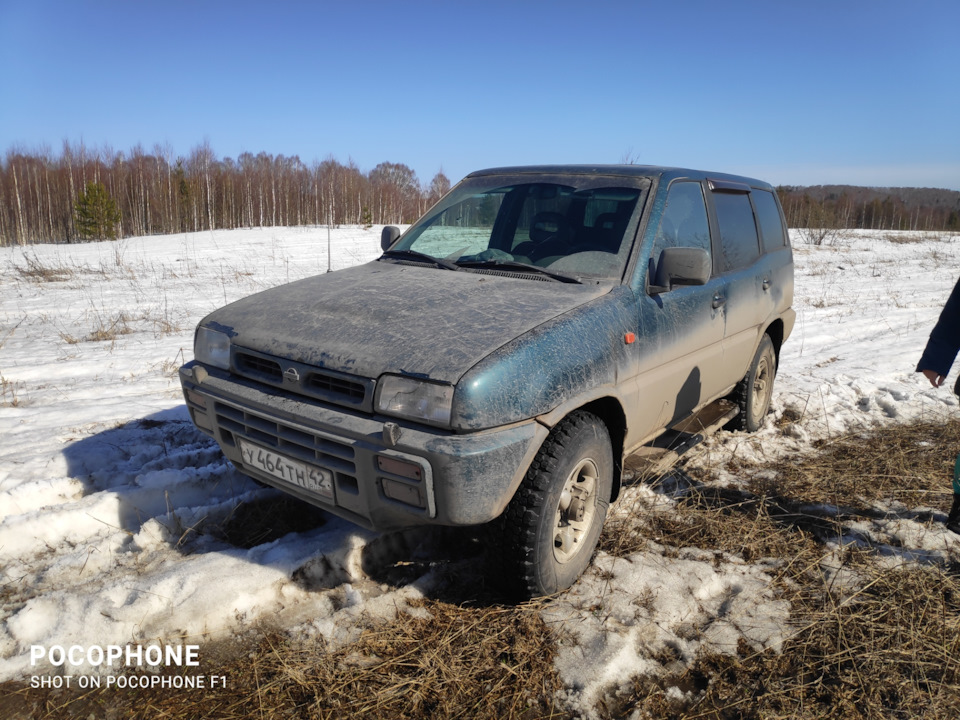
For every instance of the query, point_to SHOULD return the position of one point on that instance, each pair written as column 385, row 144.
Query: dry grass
column 110, row 329
column 886, row 650
column 9, row 392
column 723, row 520
column 35, row 270
column 106, row 329
column 909, row 464
column 905, row 237
column 876, row 640
column 455, row 663
column 164, row 326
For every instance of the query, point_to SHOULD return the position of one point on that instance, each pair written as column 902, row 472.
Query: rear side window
column 739, row 244
column 768, row 217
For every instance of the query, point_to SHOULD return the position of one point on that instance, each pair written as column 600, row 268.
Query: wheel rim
column 761, row 388
column 575, row 511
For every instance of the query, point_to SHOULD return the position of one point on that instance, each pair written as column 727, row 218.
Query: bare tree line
column 158, row 192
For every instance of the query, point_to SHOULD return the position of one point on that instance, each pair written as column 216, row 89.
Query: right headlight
column 415, row 399
column 212, row 347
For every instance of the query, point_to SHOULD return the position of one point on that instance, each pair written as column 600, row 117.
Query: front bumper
column 425, row 477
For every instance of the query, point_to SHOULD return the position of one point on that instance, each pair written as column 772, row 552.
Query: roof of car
column 668, row 173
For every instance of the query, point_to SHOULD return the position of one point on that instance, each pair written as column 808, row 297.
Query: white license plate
column 309, row 477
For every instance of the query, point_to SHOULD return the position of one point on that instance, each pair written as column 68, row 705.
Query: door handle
column 718, row 300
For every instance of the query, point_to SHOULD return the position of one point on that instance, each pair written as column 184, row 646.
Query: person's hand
column 935, row 378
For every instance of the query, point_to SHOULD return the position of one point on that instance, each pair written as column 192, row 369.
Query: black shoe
column 953, row 519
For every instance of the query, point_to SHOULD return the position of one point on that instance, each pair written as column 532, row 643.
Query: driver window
column 684, row 222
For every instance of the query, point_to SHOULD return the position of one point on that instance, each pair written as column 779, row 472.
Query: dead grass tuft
column 110, row 328
column 164, row 326
column 9, row 392
column 911, row 237
column 35, row 270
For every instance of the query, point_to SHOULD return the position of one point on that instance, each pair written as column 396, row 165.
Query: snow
column 106, row 488
column 650, row 602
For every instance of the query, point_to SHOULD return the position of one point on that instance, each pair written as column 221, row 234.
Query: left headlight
column 212, row 347
column 415, row 399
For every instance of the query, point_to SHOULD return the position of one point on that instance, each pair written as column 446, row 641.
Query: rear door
column 747, row 280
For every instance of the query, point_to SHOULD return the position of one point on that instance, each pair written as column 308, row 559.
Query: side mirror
column 681, row 266
column 388, row 236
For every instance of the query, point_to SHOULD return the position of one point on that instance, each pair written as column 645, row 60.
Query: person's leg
column 953, row 519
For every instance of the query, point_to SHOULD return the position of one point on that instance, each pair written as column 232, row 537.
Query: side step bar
column 659, row 455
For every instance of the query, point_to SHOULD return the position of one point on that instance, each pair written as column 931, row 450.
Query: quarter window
column 768, row 217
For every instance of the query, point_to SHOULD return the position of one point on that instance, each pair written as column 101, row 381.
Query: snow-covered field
column 106, row 489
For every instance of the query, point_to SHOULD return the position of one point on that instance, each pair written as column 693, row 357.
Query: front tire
column 754, row 392
column 551, row 526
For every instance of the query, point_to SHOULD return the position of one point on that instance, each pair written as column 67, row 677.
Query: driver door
column 680, row 331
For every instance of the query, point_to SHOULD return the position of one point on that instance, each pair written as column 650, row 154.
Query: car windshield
column 580, row 226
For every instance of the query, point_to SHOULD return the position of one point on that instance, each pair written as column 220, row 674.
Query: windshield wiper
column 423, row 257
column 517, row 265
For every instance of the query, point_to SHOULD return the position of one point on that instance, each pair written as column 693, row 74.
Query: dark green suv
column 507, row 353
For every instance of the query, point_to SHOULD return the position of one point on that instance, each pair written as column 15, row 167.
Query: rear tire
column 551, row 527
column 752, row 394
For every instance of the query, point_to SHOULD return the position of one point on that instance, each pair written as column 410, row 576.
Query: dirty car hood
column 386, row 317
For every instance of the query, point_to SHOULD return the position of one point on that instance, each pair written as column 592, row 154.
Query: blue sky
column 795, row 93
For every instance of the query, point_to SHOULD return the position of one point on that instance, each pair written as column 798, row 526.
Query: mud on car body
column 506, row 353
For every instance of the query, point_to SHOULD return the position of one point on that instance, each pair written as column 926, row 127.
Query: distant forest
column 47, row 198
column 872, row 208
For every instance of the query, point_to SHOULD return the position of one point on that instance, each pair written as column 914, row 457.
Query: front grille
column 258, row 366
column 327, row 385
column 335, row 386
